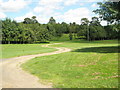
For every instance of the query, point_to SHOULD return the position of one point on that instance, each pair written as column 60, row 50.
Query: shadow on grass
column 108, row 49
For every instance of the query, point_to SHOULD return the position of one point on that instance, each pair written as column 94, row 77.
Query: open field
column 89, row 65
column 15, row 50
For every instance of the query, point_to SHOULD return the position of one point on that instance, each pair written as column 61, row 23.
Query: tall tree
column 30, row 20
column 96, row 30
column 34, row 19
column 64, row 27
column 95, row 21
column 109, row 11
column 52, row 21
column 27, row 21
column 71, row 31
column 85, row 24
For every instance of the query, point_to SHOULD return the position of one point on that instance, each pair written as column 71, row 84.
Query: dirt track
column 14, row 77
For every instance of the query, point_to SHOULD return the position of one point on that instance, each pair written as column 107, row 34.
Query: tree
column 27, row 32
column 27, row 21
column 70, row 36
column 58, row 30
column 95, row 21
column 109, row 11
column 96, row 30
column 71, row 31
column 85, row 24
column 84, row 21
column 52, row 21
column 82, row 31
column 34, row 19
column 64, row 27
column 51, row 29
column 30, row 20
column 111, row 31
column 9, row 29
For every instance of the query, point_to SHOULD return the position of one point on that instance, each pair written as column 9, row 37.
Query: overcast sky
column 62, row 10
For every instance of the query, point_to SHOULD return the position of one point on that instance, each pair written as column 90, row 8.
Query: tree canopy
column 109, row 11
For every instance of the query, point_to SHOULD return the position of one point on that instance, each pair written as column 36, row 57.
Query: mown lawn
column 14, row 50
column 89, row 65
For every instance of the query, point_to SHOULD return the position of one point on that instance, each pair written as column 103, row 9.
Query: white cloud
column 70, row 2
column 38, row 9
column 94, row 0
column 49, row 2
column 13, row 5
column 75, row 15
column 44, row 10
column 94, row 5
column 104, row 23
column 91, row 0
column 21, row 18
column 81, row 4
column 48, row 7
column 45, row 18
column 1, row 0
column 2, row 15
column 72, row 15
column 52, row 4
column 42, row 19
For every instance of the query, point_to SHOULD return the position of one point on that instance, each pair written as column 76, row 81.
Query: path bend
column 14, row 77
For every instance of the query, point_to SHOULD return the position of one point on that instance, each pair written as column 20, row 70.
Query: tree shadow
column 108, row 49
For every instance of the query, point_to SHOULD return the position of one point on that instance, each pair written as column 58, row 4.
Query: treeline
column 31, row 31
column 28, row 31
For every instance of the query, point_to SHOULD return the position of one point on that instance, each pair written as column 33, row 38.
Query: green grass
column 77, row 44
column 89, row 65
column 64, row 37
column 14, row 50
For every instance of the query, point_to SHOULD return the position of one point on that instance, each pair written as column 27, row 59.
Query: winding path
column 14, row 77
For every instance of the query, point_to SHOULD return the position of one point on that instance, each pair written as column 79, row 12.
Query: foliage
column 109, row 11
column 96, row 30
column 65, row 27
column 112, row 31
column 26, row 32
column 52, row 21
column 30, row 31
column 85, row 24
column 30, row 21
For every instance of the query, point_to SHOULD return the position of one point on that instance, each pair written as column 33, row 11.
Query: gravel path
column 14, row 77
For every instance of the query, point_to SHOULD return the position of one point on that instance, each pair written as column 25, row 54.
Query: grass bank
column 89, row 65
